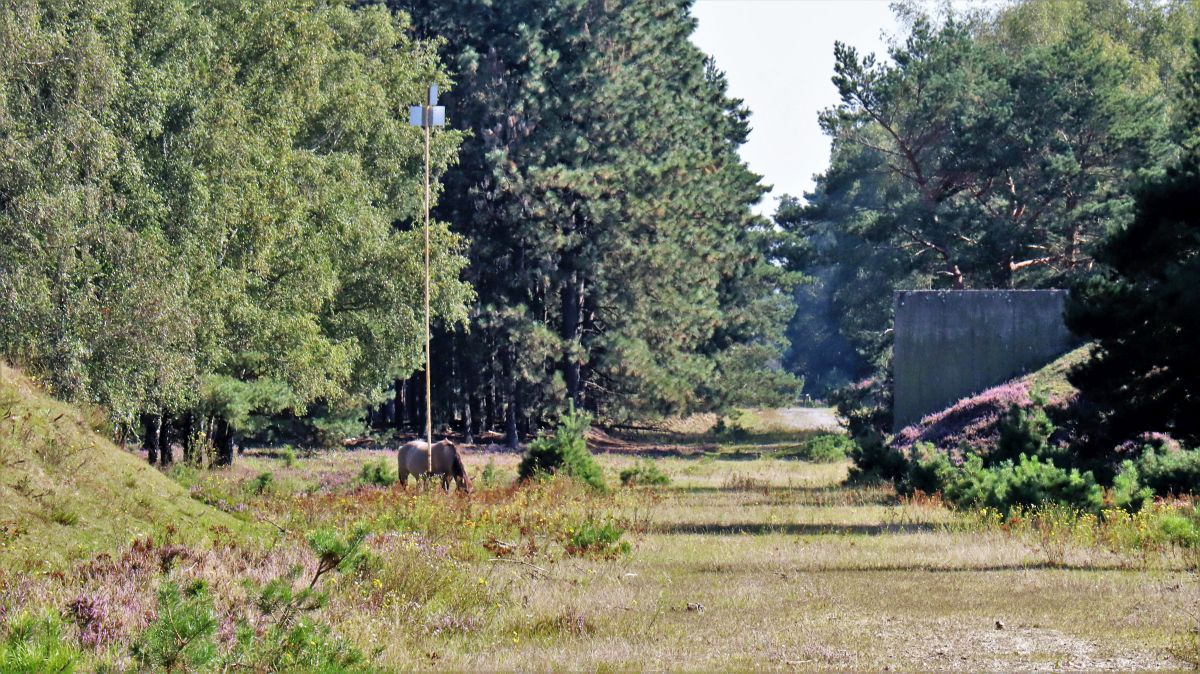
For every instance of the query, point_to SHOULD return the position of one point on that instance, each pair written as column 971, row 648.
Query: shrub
column 876, row 461
column 644, row 474
column 1128, row 492
column 488, row 477
column 596, row 540
column 1029, row 482
column 182, row 636
column 827, row 448
column 37, row 644
column 1167, row 472
column 928, row 471
column 263, row 483
column 1023, row 431
column 564, row 450
column 377, row 473
column 288, row 455
column 63, row 515
column 867, row 409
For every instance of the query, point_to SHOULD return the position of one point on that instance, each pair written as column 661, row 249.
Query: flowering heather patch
column 1160, row 442
column 972, row 422
column 91, row 615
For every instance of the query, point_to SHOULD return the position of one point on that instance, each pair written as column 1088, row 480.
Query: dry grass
column 793, row 570
column 741, row 563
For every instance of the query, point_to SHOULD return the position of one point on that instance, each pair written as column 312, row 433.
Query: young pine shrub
column 828, row 448
column 1024, row 431
column 1029, row 482
column 929, row 471
column 593, row 539
column 1167, row 472
column 644, row 474
column 289, row 456
column 377, row 473
column 182, row 637
column 37, row 644
column 564, row 451
column 1128, row 492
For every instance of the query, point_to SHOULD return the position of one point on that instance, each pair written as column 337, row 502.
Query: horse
column 413, row 459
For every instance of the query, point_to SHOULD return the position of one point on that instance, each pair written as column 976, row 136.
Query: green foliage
column 1170, row 473
column 36, row 644
column 594, row 539
column 200, row 201
column 289, row 456
column 1143, row 376
column 1127, row 490
column 875, row 460
column 263, row 483
column 828, row 448
column 618, row 264
column 644, row 473
column 564, row 451
column 337, row 550
column 182, row 636
column 488, row 477
column 926, row 188
column 63, row 515
column 1028, row 482
column 1024, row 431
column 867, row 409
column 377, row 473
column 929, row 471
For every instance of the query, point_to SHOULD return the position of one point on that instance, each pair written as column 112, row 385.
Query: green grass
column 1050, row 382
column 66, row 492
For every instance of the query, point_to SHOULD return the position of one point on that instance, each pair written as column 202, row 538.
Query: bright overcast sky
column 778, row 57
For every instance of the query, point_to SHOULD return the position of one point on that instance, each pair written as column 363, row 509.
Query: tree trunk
column 188, row 429
column 572, row 308
column 224, row 441
column 510, row 417
column 401, row 414
column 166, row 455
column 150, row 427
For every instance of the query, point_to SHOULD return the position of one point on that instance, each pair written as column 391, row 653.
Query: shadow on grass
column 793, row 529
column 796, row 495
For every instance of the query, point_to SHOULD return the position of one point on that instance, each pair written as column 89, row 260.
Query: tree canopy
column 613, row 246
column 204, row 208
column 995, row 150
column 1144, row 310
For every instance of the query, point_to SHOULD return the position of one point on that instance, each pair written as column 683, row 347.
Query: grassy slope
column 66, row 492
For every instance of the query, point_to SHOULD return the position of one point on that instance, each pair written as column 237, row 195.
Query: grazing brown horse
column 413, row 459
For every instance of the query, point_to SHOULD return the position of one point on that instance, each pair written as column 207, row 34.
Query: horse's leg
column 403, row 478
column 446, row 482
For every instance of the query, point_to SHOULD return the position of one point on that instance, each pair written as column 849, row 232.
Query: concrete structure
column 950, row 344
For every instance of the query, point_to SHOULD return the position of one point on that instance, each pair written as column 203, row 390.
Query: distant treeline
column 209, row 215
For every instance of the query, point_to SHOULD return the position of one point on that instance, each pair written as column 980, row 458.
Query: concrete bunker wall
column 950, row 344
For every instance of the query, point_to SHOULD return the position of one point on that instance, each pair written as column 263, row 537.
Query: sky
column 778, row 58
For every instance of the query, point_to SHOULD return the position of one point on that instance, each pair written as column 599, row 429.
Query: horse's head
column 457, row 470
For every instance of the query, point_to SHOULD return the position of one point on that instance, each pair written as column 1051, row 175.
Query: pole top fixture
column 431, row 114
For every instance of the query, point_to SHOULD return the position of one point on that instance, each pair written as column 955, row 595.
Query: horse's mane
column 457, row 468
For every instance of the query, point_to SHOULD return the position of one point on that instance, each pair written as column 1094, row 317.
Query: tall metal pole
column 428, row 363
column 428, row 115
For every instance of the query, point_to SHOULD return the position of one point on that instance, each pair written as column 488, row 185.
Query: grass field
column 764, row 563
column 744, row 560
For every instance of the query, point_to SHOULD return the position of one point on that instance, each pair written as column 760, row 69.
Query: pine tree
column 1144, row 311
column 616, row 258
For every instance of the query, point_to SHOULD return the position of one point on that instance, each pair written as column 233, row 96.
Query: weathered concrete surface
column 950, row 344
